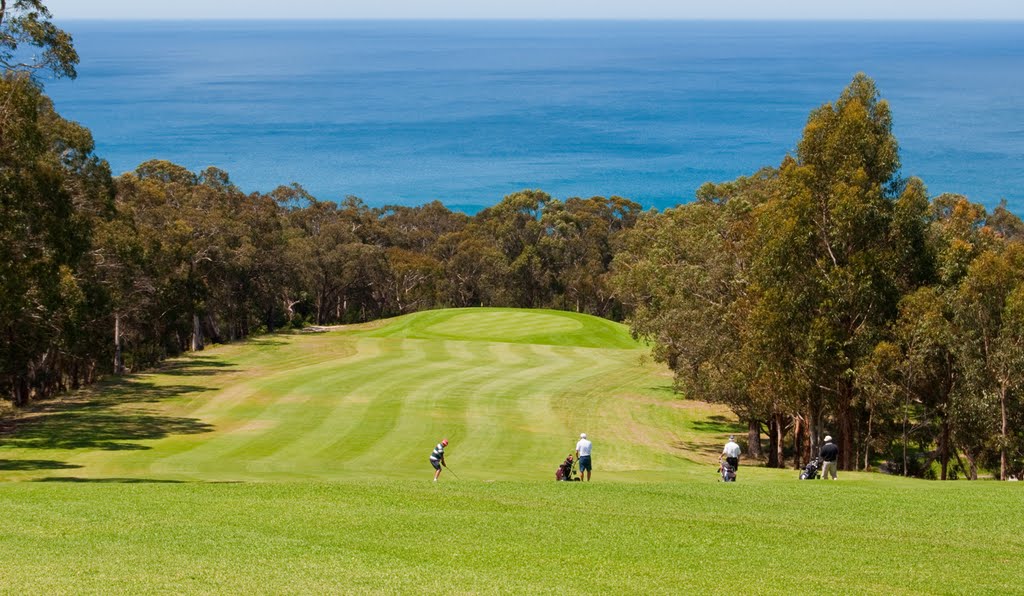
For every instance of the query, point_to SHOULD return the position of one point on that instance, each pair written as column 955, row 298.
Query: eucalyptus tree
column 911, row 378
column 30, row 42
column 417, row 228
column 989, row 311
column 320, row 251
column 577, row 248
column 684, row 276
column 53, row 191
column 514, row 227
column 825, row 255
column 180, row 215
column 475, row 271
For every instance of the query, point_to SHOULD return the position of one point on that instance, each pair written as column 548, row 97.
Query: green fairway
column 511, row 389
column 298, row 464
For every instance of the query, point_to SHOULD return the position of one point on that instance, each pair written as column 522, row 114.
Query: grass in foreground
column 764, row 534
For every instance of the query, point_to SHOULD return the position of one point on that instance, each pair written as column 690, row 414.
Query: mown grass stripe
column 328, row 406
column 301, row 397
column 345, row 404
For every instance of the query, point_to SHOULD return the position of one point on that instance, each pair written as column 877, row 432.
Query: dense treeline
column 830, row 296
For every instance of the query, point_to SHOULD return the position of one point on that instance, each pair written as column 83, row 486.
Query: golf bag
column 811, row 470
column 728, row 472
column 567, row 470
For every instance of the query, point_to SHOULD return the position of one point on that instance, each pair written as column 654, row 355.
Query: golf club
column 450, row 470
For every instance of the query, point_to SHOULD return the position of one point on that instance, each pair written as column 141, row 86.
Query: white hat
column 828, row 438
column 583, row 435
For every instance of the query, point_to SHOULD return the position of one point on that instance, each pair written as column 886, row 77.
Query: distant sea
column 468, row 111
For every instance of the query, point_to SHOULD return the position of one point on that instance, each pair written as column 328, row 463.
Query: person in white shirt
column 731, row 453
column 583, row 455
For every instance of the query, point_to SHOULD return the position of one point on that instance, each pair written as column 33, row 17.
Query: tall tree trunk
column 944, row 447
column 867, row 443
column 846, row 454
column 972, row 472
column 214, row 329
column 773, row 451
column 905, row 461
column 754, row 439
column 197, row 334
column 798, row 442
column 21, row 391
column 780, row 429
column 118, row 356
column 813, row 427
column 1003, row 432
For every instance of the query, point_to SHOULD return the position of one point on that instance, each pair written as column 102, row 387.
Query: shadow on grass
column 267, row 341
column 666, row 388
column 27, row 465
column 691, row 447
column 107, row 480
column 718, row 424
column 106, row 430
column 195, row 365
column 96, row 419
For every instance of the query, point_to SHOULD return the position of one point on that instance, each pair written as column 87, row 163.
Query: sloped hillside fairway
column 297, row 464
column 511, row 390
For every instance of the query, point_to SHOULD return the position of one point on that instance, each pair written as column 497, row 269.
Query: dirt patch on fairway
column 255, row 425
column 694, row 405
column 351, row 327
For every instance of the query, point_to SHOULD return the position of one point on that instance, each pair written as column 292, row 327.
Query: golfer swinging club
column 437, row 458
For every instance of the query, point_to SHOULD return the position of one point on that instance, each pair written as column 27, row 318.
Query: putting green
column 511, row 389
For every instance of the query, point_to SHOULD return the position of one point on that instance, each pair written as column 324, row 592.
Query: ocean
column 405, row 112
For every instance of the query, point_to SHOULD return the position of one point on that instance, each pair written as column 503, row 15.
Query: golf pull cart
column 811, row 470
column 727, row 471
column 566, row 471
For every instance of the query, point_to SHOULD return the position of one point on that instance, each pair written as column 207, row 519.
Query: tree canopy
column 31, row 43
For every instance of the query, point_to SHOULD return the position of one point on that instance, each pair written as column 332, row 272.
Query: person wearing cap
column 583, row 455
column 829, row 455
column 437, row 458
column 731, row 453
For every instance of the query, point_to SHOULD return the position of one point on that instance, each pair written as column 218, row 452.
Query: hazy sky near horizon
column 539, row 9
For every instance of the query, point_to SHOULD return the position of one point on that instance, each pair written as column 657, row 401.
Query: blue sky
column 540, row 9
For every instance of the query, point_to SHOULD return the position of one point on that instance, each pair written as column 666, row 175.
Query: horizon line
column 562, row 19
